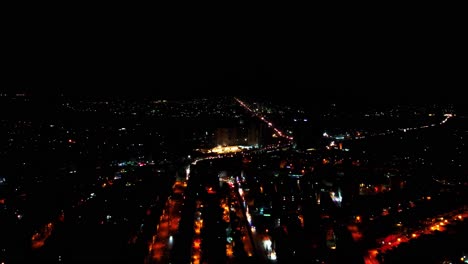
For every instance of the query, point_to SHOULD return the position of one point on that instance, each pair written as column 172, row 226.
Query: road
column 162, row 242
column 407, row 129
column 263, row 119
column 437, row 223
column 261, row 241
column 39, row 238
column 197, row 226
column 249, row 246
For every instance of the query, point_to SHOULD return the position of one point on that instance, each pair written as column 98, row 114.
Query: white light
column 273, row 255
column 267, row 244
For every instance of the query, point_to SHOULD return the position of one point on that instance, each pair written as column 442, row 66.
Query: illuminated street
column 197, row 226
column 428, row 227
column 162, row 243
column 262, row 240
column 39, row 238
column 244, row 222
column 263, row 119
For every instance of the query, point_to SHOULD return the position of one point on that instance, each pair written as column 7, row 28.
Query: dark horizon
column 289, row 91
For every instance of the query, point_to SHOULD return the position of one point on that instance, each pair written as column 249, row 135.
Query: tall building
column 226, row 136
column 254, row 134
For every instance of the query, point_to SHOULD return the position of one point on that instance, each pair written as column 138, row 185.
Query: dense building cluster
column 230, row 180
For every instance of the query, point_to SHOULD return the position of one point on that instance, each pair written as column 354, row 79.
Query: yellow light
column 399, row 239
column 413, row 235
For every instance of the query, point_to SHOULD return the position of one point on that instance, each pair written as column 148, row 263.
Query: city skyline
column 230, row 180
column 291, row 139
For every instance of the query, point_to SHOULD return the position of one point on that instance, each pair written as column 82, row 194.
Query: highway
column 264, row 119
column 408, row 129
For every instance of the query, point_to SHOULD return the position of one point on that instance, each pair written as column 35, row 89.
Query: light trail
column 262, row 118
column 408, row 129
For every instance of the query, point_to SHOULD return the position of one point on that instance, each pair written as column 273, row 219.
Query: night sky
column 339, row 62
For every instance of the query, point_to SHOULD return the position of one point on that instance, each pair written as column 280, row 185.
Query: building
column 255, row 134
column 226, row 136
